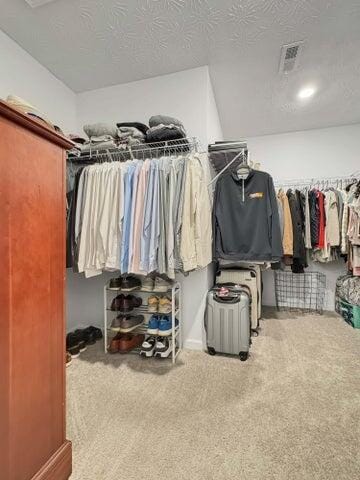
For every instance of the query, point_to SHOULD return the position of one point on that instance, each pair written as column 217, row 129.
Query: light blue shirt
column 135, row 183
column 128, row 198
column 147, row 219
column 155, row 220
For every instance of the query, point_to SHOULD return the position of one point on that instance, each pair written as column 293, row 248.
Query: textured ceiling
column 90, row 44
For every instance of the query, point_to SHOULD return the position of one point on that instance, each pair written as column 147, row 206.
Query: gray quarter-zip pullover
column 246, row 218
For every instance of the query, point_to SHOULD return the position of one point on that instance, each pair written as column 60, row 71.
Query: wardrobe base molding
column 58, row 467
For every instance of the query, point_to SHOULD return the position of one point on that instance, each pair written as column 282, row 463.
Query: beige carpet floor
column 292, row 411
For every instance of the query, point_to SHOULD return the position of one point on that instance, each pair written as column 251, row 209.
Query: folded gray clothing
column 164, row 120
column 140, row 126
column 101, row 139
column 133, row 132
column 100, row 129
column 170, row 126
column 130, row 141
column 134, row 141
column 164, row 133
column 104, row 145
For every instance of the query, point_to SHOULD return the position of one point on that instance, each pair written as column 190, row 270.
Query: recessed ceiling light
column 306, row 92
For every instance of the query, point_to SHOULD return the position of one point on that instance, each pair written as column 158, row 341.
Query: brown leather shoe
column 129, row 302
column 125, row 303
column 128, row 342
column 114, row 344
column 117, row 303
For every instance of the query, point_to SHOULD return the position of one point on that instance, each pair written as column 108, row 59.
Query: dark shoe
column 117, row 303
column 125, row 303
column 129, row 342
column 129, row 323
column 115, row 283
column 130, row 302
column 73, row 345
column 90, row 337
column 75, row 342
column 130, row 283
column 116, row 323
column 95, row 331
column 84, row 338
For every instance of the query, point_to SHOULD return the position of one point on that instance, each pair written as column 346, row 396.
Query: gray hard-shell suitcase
column 227, row 322
column 252, row 279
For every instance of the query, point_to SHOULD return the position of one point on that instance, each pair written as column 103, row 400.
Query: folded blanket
column 140, row 126
column 125, row 132
column 163, row 133
column 164, row 120
column 100, row 130
column 101, row 139
column 98, row 145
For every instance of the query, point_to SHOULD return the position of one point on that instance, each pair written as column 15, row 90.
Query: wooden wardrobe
column 33, row 443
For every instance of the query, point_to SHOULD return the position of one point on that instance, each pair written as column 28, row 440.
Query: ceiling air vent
column 37, row 3
column 290, row 56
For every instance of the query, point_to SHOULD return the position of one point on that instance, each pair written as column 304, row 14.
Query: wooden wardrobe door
column 32, row 312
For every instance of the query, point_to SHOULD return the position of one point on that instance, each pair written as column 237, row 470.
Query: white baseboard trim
column 193, row 344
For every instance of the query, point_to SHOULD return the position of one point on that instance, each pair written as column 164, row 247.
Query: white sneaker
column 148, row 346
column 163, row 347
column 162, row 285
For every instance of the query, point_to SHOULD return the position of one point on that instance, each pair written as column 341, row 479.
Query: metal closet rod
column 191, row 142
column 317, row 180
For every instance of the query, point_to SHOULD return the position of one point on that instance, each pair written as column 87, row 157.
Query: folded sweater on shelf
column 98, row 130
column 162, row 133
column 139, row 126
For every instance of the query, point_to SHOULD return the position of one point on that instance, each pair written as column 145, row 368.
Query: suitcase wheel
column 243, row 356
column 211, row 351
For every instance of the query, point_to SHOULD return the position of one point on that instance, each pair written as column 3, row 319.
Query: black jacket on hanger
column 297, row 217
column 314, row 218
column 71, row 247
column 246, row 218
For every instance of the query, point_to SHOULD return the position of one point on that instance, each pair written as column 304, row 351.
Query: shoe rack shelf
column 175, row 313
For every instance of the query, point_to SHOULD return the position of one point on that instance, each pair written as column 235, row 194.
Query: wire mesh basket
column 300, row 291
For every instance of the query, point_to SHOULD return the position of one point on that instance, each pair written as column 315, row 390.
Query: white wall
column 187, row 96
column 312, row 153
column 22, row 75
column 214, row 129
column 181, row 95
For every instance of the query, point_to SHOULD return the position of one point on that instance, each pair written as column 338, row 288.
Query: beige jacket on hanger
column 332, row 219
column 196, row 232
column 288, row 236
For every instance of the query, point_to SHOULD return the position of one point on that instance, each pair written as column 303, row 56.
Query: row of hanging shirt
column 141, row 216
column 317, row 224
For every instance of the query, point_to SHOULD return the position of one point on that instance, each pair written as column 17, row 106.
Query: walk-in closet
column 180, row 240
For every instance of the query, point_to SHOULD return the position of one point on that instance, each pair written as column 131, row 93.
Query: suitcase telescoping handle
column 234, row 298
column 230, row 299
